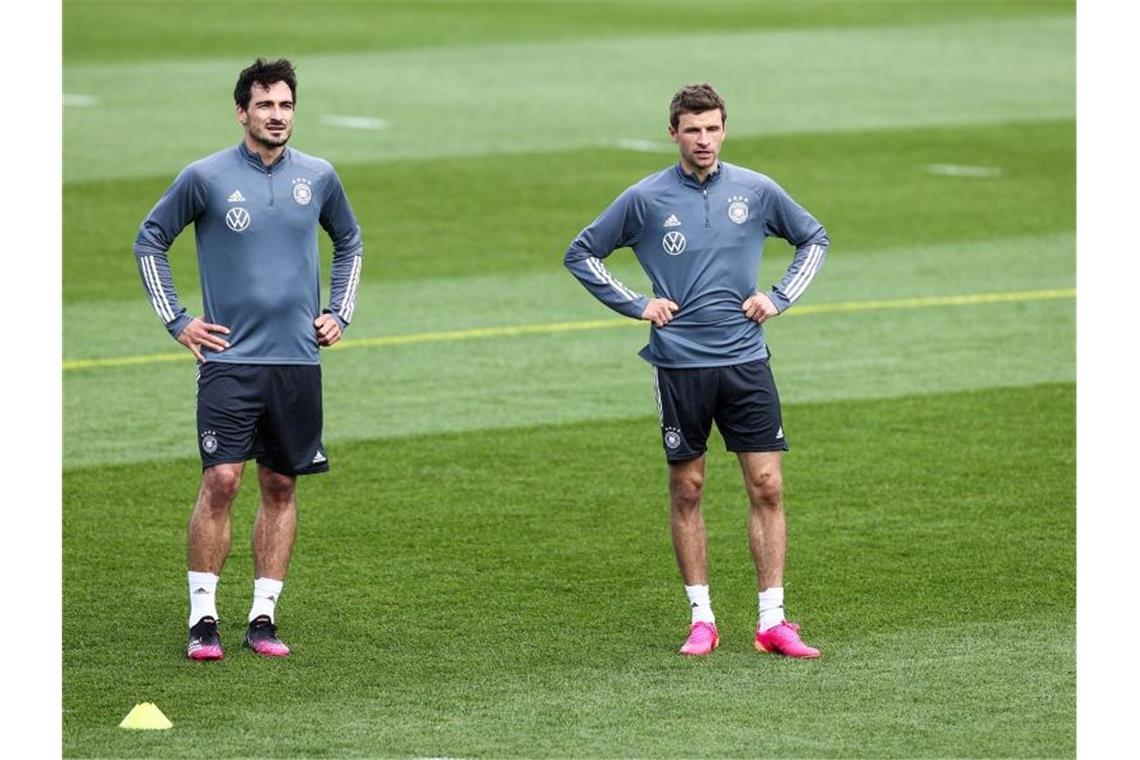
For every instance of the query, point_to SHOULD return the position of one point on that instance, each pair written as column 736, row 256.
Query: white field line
column 644, row 146
column 471, row 333
column 959, row 170
column 80, row 101
column 353, row 122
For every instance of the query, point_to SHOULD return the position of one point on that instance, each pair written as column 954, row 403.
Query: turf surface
column 504, row 594
column 487, row 571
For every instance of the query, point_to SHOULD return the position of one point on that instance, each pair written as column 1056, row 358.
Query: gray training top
column 700, row 244
column 256, row 233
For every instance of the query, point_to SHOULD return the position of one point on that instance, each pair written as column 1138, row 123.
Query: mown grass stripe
column 506, row 331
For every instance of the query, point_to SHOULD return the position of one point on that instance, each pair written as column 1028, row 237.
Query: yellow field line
column 600, row 324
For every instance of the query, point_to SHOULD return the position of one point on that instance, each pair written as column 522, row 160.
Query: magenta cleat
column 703, row 639
column 784, row 639
column 204, row 643
column 261, row 637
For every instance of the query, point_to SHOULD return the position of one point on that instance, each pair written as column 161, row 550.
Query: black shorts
column 268, row 412
column 742, row 398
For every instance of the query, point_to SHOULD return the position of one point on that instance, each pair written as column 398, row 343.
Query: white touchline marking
column 958, row 170
column 644, row 146
column 82, row 101
column 353, row 122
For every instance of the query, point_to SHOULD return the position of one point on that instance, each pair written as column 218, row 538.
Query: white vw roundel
column 673, row 243
column 237, row 218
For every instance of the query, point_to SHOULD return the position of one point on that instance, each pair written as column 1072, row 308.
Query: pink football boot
column 262, row 638
column 784, row 639
column 204, row 642
column 702, row 639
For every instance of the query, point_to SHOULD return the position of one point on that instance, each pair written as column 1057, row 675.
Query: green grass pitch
column 487, row 570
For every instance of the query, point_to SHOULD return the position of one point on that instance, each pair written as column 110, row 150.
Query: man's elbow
column 820, row 238
column 574, row 254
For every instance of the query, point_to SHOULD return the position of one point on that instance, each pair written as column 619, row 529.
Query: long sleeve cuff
column 339, row 319
column 178, row 324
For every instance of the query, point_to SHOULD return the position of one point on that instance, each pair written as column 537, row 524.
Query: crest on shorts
column 237, row 219
column 673, row 243
column 302, row 191
column 738, row 209
column 209, row 441
column 672, row 438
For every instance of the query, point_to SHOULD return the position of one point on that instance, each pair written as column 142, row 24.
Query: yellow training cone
column 146, row 715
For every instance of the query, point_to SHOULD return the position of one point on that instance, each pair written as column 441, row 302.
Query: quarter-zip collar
column 255, row 160
column 692, row 181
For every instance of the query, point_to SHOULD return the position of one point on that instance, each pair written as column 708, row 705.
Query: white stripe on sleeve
column 162, row 296
column 349, row 304
column 806, row 274
column 154, row 286
column 603, row 274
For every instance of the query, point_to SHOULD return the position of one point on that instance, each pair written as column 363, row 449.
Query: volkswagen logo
column 237, row 218
column 673, row 243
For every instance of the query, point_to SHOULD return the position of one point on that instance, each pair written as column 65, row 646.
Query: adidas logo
column 236, row 197
column 320, row 457
column 672, row 221
column 780, row 433
column 201, row 591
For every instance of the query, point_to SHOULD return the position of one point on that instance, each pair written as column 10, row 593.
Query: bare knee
column 220, row 486
column 276, row 489
column 686, row 490
column 766, row 489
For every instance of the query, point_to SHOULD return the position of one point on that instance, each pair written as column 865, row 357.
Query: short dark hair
column 265, row 73
column 695, row 98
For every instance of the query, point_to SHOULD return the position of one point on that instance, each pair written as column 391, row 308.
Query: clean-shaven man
column 698, row 229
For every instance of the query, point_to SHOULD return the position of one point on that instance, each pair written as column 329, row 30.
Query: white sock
column 700, row 604
column 203, row 586
column 771, row 607
column 266, row 591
